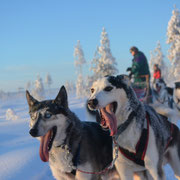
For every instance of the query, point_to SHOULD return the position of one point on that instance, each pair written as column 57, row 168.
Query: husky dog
column 162, row 93
column 146, row 140
column 73, row 148
column 176, row 96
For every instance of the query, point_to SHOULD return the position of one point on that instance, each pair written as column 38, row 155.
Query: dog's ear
column 124, row 78
column 31, row 101
column 62, row 98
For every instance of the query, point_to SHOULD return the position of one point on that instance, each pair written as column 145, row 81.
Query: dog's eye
column 108, row 88
column 92, row 90
column 47, row 115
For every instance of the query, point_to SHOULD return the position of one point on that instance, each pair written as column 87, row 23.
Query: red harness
column 141, row 146
column 171, row 137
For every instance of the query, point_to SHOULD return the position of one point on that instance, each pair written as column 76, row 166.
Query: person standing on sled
column 157, row 73
column 140, row 71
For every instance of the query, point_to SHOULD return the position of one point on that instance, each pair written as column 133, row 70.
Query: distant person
column 157, row 73
column 140, row 72
column 140, row 67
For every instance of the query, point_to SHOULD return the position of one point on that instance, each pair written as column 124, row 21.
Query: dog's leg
column 142, row 175
column 86, row 167
column 63, row 176
column 154, row 159
column 111, row 174
column 125, row 172
column 173, row 159
column 85, row 176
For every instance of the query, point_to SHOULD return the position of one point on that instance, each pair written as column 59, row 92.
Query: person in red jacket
column 157, row 73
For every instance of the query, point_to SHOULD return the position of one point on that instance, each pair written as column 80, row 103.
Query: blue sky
column 38, row 36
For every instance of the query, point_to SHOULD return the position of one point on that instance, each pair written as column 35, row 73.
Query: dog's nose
column 93, row 103
column 33, row 132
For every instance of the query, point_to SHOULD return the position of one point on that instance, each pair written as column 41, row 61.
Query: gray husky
column 176, row 96
column 146, row 139
column 74, row 149
column 162, row 93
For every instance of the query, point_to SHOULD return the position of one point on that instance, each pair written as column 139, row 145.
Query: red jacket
column 157, row 74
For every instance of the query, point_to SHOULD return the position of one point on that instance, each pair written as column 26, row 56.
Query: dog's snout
column 33, row 132
column 93, row 103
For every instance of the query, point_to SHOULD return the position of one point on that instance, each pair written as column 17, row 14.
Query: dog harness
column 172, row 135
column 141, row 147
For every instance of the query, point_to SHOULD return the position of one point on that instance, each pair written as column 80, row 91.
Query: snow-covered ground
column 19, row 152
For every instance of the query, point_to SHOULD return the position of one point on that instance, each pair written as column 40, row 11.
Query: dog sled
column 142, row 90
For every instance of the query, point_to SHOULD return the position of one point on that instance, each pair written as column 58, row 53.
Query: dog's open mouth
column 108, row 118
column 46, row 144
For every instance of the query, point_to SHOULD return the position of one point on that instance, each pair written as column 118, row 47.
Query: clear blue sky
column 38, row 36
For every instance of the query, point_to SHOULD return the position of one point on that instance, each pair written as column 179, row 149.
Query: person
column 157, row 73
column 140, row 67
column 140, row 72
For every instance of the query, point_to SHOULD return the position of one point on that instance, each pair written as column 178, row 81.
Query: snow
column 19, row 152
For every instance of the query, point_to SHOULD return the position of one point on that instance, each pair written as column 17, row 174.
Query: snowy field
column 19, row 152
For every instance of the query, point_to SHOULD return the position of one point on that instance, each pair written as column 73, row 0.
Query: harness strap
column 141, row 147
column 103, row 171
column 123, row 126
column 177, row 106
column 76, row 159
column 171, row 137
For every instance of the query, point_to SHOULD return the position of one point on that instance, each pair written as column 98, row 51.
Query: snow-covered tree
column 48, row 80
column 11, row 115
column 151, row 63
column 173, row 39
column 79, row 57
column 88, row 83
column 103, row 62
column 28, row 86
column 79, row 62
column 157, row 57
column 70, row 87
column 80, row 88
column 38, row 91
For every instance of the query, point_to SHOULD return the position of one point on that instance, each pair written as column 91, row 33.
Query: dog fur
column 176, row 96
column 116, row 100
column 163, row 94
column 67, row 142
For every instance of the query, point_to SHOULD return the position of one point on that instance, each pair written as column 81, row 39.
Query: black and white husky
column 162, row 93
column 74, row 149
column 176, row 96
column 146, row 140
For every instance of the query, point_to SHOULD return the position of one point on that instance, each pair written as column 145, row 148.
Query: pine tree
column 157, row 57
column 48, row 80
column 80, row 86
column 103, row 62
column 69, row 85
column 173, row 39
column 28, row 86
column 151, row 64
column 79, row 57
column 38, row 91
column 79, row 62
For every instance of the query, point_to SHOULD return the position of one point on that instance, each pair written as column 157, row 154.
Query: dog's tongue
column 43, row 150
column 110, row 118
